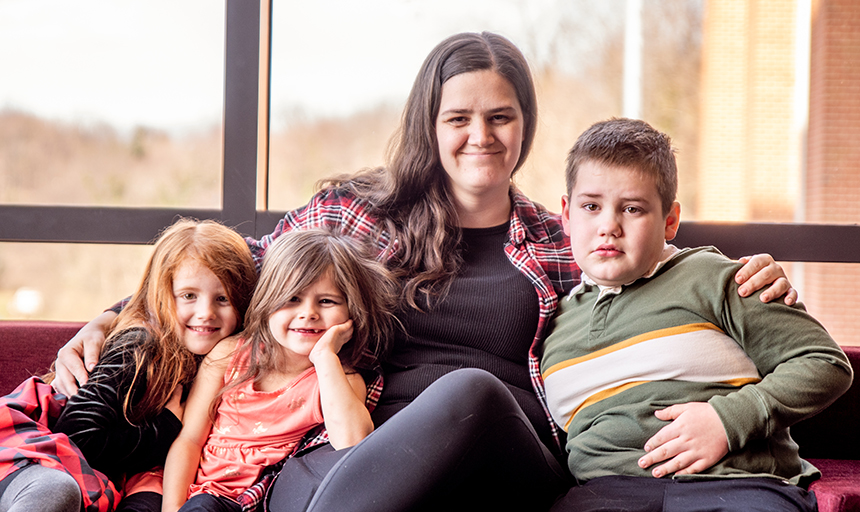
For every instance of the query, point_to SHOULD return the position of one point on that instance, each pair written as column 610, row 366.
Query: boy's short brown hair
column 623, row 142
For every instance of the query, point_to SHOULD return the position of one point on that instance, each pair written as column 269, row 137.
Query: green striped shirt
column 614, row 356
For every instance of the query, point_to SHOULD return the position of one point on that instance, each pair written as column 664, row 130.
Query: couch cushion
column 29, row 347
column 839, row 488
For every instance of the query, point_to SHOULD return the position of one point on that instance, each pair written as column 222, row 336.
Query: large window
column 339, row 80
column 111, row 124
column 314, row 89
column 111, row 103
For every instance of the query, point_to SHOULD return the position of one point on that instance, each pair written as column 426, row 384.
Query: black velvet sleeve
column 94, row 419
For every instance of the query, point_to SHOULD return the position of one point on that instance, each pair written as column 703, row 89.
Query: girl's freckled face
column 203, row 309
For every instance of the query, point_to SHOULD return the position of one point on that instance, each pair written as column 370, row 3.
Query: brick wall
column 722, row 150
column 833, row 161
column 754, row 151
column 749, row 168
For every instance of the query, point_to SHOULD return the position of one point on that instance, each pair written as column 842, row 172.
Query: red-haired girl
column 194, row 293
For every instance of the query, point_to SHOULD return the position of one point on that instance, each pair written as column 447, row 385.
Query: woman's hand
column 80, row 354
column 759, row 271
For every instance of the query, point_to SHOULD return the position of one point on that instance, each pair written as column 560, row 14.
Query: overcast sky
column 159, row 63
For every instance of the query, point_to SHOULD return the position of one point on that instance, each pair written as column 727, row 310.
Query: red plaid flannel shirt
column 25, row 438
column 536, row 246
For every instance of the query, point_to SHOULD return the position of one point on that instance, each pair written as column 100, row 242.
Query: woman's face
column 480, row 134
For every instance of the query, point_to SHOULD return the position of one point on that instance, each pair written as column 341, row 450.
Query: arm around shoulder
column 325, row 208
column 80, row 354
column 762, row 270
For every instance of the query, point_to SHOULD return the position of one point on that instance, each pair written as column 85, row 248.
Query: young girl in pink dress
column 321, row 310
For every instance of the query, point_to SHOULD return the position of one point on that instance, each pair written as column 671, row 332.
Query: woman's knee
column 468, row 392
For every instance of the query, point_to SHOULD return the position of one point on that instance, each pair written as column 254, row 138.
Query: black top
column 94, row 419
column 487, row 320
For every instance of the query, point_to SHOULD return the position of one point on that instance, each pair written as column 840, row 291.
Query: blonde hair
column 292, row 263
column 163, row 357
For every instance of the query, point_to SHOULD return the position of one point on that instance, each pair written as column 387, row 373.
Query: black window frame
column 246, row 106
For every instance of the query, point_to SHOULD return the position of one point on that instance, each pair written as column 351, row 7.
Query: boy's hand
column 694, row 440
column 332, row 340
column 759, row 271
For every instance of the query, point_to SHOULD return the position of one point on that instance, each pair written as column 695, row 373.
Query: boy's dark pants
column 643, row 494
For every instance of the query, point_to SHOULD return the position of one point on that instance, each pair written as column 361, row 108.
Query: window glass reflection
column 111, row 103
column 70, row 282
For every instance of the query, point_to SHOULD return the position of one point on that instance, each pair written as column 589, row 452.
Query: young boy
column 656, row 367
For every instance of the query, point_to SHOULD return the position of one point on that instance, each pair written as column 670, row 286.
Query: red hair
column 163, row 357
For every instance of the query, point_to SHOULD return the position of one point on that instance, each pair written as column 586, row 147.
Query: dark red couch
column 830, row 440
column 29, row 348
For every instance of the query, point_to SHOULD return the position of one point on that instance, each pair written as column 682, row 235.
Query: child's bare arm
column 694, row 440
column 342, row 394
column 180, row 468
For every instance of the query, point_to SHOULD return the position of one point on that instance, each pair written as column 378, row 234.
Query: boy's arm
column 180, row 468
column 342, row 394
column 804, row 371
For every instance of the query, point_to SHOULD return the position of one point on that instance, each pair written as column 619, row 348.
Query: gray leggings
column 38, row 488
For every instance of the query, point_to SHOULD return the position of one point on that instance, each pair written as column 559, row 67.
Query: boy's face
column 615, row 221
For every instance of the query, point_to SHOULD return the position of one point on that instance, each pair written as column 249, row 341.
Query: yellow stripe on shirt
column 660, row 333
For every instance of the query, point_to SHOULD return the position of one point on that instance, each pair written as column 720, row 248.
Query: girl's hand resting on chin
column 331, row 341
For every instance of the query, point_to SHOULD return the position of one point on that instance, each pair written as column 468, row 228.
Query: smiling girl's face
column 306, row 316
column 204, row 312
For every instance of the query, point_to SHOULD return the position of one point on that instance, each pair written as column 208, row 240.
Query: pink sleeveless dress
column 254, row 429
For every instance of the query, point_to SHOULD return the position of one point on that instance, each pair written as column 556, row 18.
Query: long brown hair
column 292, row 263
column 163, row 357
column 410, row 196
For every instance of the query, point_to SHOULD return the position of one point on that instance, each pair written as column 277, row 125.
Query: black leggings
column 463, row 444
